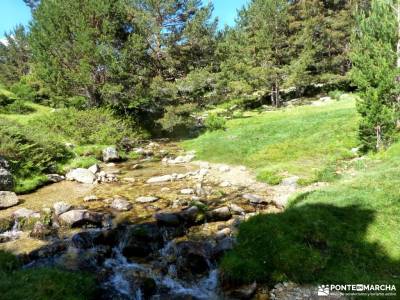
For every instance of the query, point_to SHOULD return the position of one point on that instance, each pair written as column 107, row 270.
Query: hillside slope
column 306, row 141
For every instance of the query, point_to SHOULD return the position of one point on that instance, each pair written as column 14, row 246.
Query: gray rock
column 110, row 154
column 121, row 204
column 168, row 219
column 255, row 199
column 4, row 163
column 159, row 179
column 8, row 199
column 180, row 159
column 61, row 207
column 81, row 175
column 90, row 198
column 80, row 217
column 220, row 214
column 236, row 209
column 40, row 231
column 190, row 214
column 146, row 199
column 94, row 169
column 187, row 191
column 24, row 213
column 223, row 233
column 6, row 180
column 54, row 178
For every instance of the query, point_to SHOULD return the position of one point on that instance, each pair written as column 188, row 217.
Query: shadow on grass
column 310, row 244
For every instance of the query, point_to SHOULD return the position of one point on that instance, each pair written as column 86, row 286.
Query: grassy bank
column 42, row 283
column 306, row 141
column 347, row 233
column 47, row 141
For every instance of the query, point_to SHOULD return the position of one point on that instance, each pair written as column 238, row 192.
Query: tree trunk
column 278, row 96
column 378, row 137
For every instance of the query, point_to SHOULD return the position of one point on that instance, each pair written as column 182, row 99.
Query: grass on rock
column 306, row 141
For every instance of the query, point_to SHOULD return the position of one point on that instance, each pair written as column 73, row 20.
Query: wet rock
column 159, row 179
column 54, row 178
column 146, row 199
column 187, row 191
column 90, row 198
column 93, row 238
column 81, row 217
column 243, row 292
column 84, row 260
column 223, row 233
column 94, row 169
column 61, row 207
column 8, row 199
column 220, row 214
column 236, row 209
column 223, row 246
column 192, row 258
column 167, row 219
column 40, row 231
column 121, row 204
column 190, row 214
column 141, row 240
column 110, row 154
column 255, row 199
column 81, row 175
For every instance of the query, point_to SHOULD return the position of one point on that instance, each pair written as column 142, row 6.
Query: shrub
column 29, row 151
column 24, row 91
column 84, row 127
column 335, row 94
column 17, row 107
column 214, row 122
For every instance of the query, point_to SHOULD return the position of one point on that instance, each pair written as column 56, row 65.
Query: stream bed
column 165, row 243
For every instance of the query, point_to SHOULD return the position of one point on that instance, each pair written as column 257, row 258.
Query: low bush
column 29, row 151
column 214, row 122
column 178, row 119
column 85, row 127
column 17, row 107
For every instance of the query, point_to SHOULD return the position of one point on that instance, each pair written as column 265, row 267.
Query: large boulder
column 8, row 199
column 110, row 154
column 167, row 219
column 81, row 217
column 220, row 214
column 81, row 175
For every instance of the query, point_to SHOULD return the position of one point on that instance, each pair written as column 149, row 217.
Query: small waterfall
column 121, row 282
column 14, row 233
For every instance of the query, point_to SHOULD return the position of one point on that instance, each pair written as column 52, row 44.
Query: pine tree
column 14, row 56
column 89, row 49
column 375, row 73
